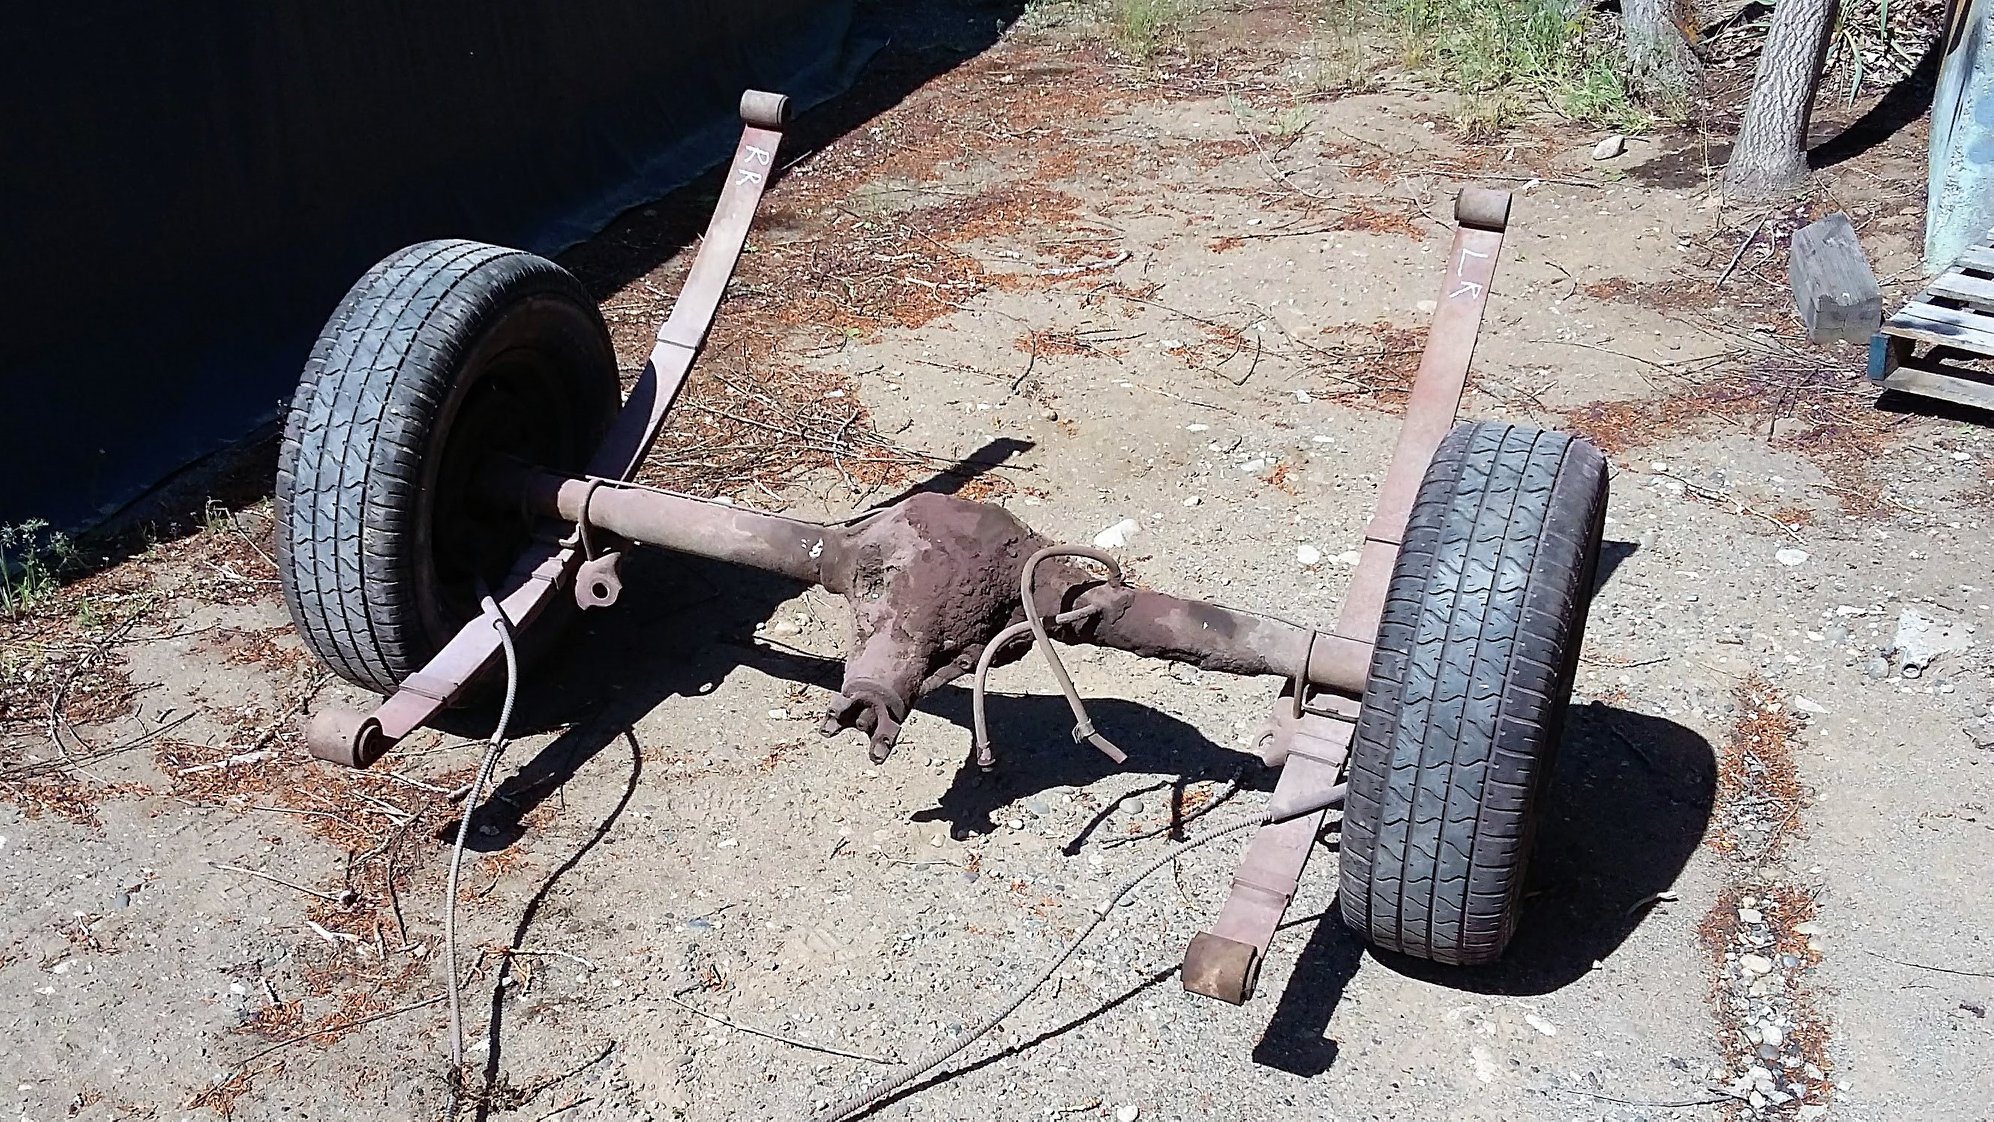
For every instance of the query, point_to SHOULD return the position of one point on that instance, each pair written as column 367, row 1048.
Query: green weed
column 31, row 563
column 1143, row 27
column 1552, row 51
column 1337, row 58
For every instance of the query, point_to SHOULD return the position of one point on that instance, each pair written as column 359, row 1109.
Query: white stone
column 1791, row 557
column 1118, row 535
column 1128, row 1112
column 1540, row 1024
column 1755, row 964
column 1308, row 556
column 1609, row 147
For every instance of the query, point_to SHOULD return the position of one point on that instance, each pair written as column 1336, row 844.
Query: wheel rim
column 521, row 400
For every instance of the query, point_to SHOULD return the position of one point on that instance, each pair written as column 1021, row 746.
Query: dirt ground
column 1189, row 293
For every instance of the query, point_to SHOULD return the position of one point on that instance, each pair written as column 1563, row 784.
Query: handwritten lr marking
column 1468, row 288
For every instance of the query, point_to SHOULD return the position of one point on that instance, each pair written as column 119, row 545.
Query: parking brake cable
column 863, row 1102
column 492, row 751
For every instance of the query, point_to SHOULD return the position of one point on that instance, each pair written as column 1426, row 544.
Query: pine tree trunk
column 1770, row 157
column 1660, row 64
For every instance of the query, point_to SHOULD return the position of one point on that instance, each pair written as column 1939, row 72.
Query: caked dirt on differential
column 1190, row 293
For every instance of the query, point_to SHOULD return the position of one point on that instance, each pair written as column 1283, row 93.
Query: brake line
column 1083, row 726
column 985, row 759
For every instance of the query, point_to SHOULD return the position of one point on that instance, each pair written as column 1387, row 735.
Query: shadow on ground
column 1629, row 804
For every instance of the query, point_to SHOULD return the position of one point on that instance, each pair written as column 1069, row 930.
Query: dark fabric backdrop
column 187, row 187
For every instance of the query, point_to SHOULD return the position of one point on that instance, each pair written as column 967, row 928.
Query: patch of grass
column 1141, row 28
column 1555, row 51
column 1292, row 121
column 1487, row 117
column 32, row 560
column 1337, row 59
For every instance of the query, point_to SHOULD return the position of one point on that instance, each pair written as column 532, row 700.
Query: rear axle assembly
column 456, row 441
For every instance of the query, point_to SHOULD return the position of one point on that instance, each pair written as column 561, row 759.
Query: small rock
column 1308, row 556
column 1920, row 639
column 1128, row 1112
column 1791, row 557
column 1807, row 705
column 1193, row 501
column 1808, row 928
column 1755, row 964
column 1877, row 668
column 1118, row 535
column 1609, row 147
column 1540, row 1024
column 1751, row 915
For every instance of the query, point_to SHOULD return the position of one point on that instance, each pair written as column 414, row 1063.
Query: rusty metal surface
column 683, row 333
column 930, row 582
column 1216, row 966
column 343, row 737
column 1431, row 410
column 599, row 581
column 1315, row 746
column 789, row 546
column 1206, row 635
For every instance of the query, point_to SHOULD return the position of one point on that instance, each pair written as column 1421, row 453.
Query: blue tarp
column 190, row 186
column 1960, row 194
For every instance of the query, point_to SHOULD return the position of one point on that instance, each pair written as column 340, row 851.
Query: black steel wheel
column 1468, row 688
column 444, row 362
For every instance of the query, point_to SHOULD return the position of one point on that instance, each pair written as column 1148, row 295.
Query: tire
column 441, row 360
column 1467, row 692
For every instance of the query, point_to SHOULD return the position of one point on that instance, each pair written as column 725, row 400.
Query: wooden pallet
column 1922, row 348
